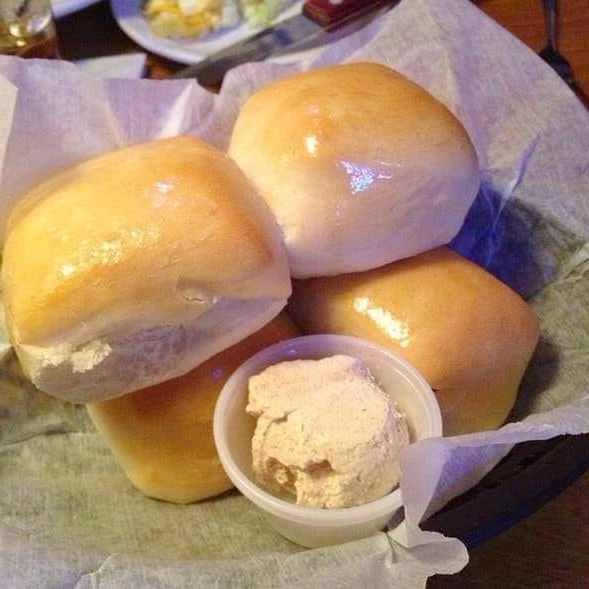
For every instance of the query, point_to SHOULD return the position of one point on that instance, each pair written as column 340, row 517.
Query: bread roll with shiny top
column 468, row 334
column 135, row 266
column 360, row 166
column 162, row 436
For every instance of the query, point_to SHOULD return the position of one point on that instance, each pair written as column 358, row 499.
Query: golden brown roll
column 360, row 166
column 469, row 334
column 136, row 266
column 162, row 436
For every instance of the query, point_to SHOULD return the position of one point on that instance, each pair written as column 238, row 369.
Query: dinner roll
column 468, row 334
column 162, row 436
column 136, row 266
column 360, row 166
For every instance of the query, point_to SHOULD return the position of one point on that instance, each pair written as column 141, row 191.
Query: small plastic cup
column 234, row 428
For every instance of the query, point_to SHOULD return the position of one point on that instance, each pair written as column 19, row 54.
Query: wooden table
column 550, row 548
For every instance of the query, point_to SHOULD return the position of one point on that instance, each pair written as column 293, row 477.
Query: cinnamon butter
column 326, row 433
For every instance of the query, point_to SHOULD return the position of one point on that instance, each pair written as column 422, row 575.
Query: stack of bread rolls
column 137, row 281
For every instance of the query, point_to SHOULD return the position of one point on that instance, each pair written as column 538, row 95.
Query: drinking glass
column 27, row 28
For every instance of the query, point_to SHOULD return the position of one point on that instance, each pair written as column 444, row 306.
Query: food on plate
column 468, row 334
column 194, row 18
column 360, row 166
column 261, row 12
column 326, row 433
column 162, row 436
column 136, row 266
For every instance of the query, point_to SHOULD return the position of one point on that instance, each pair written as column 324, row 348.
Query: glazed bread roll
column 468, row 334
column 360, row 166
column 162, row 436
column 136, row 266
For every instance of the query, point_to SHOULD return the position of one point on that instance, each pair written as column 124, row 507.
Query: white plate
column 189, row 51
column 64, row 7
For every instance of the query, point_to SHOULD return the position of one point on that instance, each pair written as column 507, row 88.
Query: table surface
column 551, row 547
column 93, row 32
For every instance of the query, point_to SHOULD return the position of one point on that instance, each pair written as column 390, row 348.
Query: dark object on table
column 550, row 53
column 314, row 25
column 532, row 474
column 552, row 56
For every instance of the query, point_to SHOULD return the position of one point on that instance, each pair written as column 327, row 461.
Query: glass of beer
column 27, row 28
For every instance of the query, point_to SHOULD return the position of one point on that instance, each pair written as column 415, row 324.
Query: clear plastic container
column 233, row 431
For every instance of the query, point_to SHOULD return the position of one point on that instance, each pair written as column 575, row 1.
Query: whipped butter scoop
column 326, row 432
